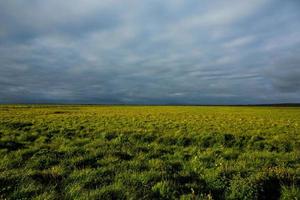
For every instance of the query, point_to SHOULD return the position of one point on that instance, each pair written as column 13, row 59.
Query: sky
column 150, row 51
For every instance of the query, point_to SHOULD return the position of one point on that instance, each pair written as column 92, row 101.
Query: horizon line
column 141, row 104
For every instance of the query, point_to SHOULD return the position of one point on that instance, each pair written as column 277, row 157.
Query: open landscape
column 149, row 152
column 150, row 100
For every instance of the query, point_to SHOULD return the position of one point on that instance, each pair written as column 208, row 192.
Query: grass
column 151, row 152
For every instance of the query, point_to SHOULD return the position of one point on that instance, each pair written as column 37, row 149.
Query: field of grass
column 151, row 152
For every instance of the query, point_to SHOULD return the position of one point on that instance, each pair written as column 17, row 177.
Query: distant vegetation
column 159, row 152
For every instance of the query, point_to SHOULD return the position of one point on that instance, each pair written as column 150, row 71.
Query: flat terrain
column 150, row 152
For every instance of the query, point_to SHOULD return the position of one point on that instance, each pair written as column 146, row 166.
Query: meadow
column 149, row 152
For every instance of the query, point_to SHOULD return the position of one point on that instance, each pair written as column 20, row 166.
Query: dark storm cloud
column 149, row 51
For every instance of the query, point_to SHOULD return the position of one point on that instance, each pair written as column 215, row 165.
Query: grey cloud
column 24, row 21
column 149, row 51
column 285, row 75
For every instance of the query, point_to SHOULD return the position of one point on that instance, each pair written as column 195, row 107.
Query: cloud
column 238, row 42
column 149, row 51
column 284, row 74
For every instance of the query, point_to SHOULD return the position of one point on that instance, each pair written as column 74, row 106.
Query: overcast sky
column 150, row 51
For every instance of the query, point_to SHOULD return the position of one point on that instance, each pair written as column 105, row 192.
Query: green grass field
column 150, row 152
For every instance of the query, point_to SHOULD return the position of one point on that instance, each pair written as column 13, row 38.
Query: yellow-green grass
column 149, row 152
